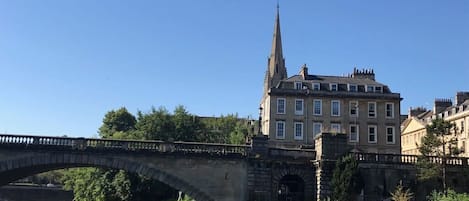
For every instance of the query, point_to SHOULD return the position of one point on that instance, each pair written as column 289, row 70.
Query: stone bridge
column 221, row 172
column 204, row 171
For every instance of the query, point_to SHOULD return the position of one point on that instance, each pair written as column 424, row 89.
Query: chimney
column 461, row 96
column 363, row 74
column 441, row 104
column 413, row 112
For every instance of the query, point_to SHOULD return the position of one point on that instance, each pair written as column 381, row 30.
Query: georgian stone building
column 296, row 109
column 414, row 127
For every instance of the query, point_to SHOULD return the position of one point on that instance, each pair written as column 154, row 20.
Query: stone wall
column 381, row 179
column 28, row 193
column 329, row 147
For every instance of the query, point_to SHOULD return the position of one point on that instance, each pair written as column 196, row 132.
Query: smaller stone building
column 414, row 127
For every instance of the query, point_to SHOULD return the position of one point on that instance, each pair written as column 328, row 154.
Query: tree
column 346, row 180
column 155, row 125
column 117, row 121
column 229, row 129
column 187, row 127
column 401, row 194
column 439, row 142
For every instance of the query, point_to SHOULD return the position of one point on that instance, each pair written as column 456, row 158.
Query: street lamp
column 259, row 132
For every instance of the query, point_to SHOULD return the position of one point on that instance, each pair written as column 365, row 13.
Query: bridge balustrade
column 407, row 159
column 123, row 145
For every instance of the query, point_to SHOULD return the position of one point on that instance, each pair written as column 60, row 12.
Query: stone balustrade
column 406, row 159
column 31, row 142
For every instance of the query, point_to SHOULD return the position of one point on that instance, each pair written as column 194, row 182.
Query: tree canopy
column 441, row 142
column 346, row 180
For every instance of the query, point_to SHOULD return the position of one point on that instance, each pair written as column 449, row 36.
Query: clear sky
column 64, row 64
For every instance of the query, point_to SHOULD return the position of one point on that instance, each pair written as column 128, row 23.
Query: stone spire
column 276, row 70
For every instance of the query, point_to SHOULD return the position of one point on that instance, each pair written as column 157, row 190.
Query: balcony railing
column 121, row 145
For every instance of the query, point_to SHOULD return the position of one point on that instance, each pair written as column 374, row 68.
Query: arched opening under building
column 291, row 188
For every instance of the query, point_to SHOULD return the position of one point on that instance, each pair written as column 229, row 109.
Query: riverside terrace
column 212, row 171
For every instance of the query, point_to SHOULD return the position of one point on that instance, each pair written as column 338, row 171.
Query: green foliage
column 401, row 194
column 440, row 142
column 161, row 125
column 115, row 121
column 439, row 134
column 346, row 181
column 451, row 195
column 238, row 136
column 228, row 129
column 88, row 184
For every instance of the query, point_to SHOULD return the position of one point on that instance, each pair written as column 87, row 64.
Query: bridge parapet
column 292, row 153
column 407, row 159
column 41, row 142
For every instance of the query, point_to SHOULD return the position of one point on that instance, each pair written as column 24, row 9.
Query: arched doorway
column 291, row 188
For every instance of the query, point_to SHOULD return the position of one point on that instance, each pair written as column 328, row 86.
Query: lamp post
column 259, row 131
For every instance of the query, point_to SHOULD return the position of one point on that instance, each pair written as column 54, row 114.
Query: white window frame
column 284, row 105
column 298, row 85
column 357, row 132
column 353, row 105
column 392, row 110
column 338, row 108
column 331, row 86
column 277, row 134
column 368, row 90
column 317, row 86
column 296, row 125
column 299, row 112
column 380, row 89
column 314, row 128
column 349, row 86
column 335, row 128
column 375, row 113
column 320, row 107
column 375, row 134
column 393, row 135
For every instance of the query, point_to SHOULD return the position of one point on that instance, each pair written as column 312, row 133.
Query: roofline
column 335, row 94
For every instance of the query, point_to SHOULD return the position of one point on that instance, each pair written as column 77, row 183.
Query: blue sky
column 64, row 64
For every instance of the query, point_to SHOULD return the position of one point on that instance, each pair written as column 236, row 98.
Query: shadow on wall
column 33, row 193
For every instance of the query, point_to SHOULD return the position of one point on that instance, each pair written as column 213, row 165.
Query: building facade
column 296, row 109
column 414, row 127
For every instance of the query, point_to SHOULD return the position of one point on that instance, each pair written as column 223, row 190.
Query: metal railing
column 123, row 145
column 407, row 159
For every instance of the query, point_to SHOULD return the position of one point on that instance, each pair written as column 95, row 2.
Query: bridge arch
column 304, row 176
column 21, row 167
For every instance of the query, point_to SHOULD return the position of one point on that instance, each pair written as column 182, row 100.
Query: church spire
column 276, row 70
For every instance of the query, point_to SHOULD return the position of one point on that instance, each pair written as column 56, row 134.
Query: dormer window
column 316, row 86
column 298, row 85
column 352, row 88
column 379, row 89
column 334, row 87
column 370, row 88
